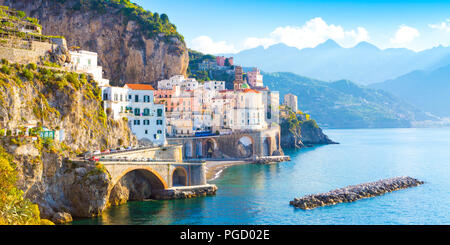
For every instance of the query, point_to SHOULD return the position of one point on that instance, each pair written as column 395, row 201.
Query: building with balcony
column 135, row 102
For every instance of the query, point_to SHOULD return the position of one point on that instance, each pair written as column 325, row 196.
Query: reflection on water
column 260, row 194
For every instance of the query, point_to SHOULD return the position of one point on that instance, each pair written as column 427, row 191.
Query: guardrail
column 121, row 151
column 148, row 160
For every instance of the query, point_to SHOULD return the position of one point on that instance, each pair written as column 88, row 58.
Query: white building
column 86, row 61
column 214, row 85
column 271, row 101
column 248, row 113
column 136, row 102
column 291, row 101
column 178, row 80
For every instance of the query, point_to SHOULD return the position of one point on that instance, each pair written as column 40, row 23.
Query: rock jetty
column 354, row 192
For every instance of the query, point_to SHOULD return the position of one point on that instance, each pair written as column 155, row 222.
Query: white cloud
column 312, row 33
column 206, row 45
column 443, row 26
column 405, row 34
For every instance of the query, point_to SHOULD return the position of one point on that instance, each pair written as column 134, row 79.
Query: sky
column 213, row 26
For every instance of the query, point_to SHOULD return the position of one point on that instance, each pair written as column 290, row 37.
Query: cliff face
column 311, row 134
column 125, row 52
column 297, row 133
column 70, row 104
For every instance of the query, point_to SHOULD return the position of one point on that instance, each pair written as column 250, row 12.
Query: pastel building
column 86, row 62
column 255, row 79
column 221, row 60
column 291, row 101
column 136, row 102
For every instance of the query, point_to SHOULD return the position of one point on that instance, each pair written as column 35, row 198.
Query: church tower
column 238, row 78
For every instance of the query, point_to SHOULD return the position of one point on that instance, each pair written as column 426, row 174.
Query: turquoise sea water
column 260, row 194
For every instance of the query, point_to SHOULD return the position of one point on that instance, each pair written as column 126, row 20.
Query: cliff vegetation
column 36, row 169
column 299, row 130
column 134, row 45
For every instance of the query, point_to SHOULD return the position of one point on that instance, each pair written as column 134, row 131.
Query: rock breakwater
column 354, row 192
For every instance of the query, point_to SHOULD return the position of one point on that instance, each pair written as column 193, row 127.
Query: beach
column 215, row 168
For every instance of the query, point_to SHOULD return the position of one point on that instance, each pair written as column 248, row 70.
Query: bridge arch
column 267, row 146
column 179, row 177
column 245, row 146
column 153, row 176
column 209, row 147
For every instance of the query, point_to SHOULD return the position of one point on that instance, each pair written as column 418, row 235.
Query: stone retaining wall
column 271, row 159
column 186, row 192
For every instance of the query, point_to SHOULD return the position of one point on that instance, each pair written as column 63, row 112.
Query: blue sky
column 230, row 26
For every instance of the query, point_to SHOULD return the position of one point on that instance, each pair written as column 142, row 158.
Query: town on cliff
column 89, row 136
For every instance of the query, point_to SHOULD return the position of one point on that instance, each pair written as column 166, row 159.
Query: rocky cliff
column 33, row 98
column 298, row 133
column 134, row 46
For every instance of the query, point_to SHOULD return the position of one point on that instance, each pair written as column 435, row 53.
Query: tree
column 227, row 62
column 165, row 18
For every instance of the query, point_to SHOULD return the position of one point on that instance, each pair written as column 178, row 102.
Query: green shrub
column 62, row 83
column 21, row 14
column 73, row 79
column 6, row 70
column 28, row 74
column 32, row 66
column 14, row 209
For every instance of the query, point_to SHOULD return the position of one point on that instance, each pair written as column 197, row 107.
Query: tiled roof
column 137, row 86
column 249, row 90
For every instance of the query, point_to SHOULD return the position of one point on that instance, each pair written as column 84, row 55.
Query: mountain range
column 429, row 90
column 363, row 63
column 344, row 104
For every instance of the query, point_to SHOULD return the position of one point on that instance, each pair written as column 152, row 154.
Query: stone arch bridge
column 163, row 168
column 239, row 144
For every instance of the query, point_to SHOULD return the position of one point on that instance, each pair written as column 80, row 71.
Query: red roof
column 137, row 86
column 249, row 90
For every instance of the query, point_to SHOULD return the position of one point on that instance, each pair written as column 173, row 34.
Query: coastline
column 215, row 168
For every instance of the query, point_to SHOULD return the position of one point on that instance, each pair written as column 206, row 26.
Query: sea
column 260, row 194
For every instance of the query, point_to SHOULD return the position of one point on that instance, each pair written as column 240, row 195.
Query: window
column 146, row 131
column 146, row 112
column 137, row 112
column 159, row 122
column 129, row 97
column 146, row 122
column 159, row 111
column 136, row 98
column 137, row 122
column 105, row 96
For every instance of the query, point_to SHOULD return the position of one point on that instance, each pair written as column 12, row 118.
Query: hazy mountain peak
column 366, row 45
column 282, row 46
column 329, row 44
